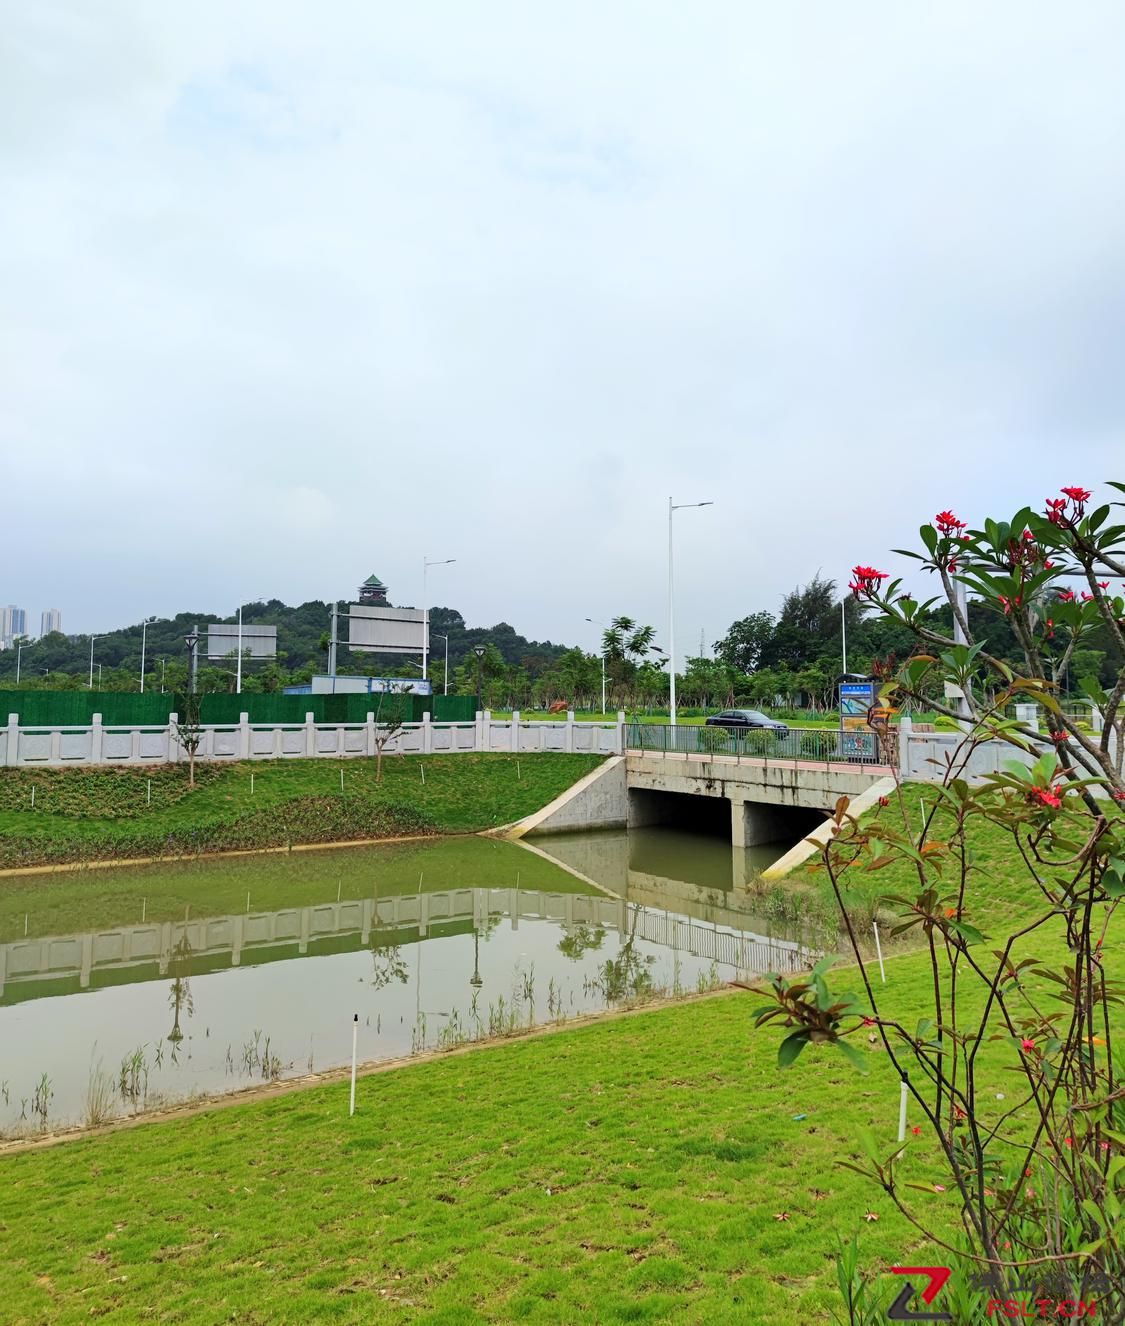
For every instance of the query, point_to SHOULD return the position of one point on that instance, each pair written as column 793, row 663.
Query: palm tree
column 627, row 645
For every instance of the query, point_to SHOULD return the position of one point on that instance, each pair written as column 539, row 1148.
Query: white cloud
column 491, row 281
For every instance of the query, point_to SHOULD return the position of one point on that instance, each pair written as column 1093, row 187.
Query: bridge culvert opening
column 709, row 816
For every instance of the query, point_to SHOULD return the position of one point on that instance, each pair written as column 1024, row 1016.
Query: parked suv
column 739, row 720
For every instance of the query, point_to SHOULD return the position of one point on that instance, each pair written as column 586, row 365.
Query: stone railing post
column 427, row 734
column 905, row 726
column 1028, row 714
column 12, row 753
column 515, row 730
column 478, row 731
column 310, row 735
column 96, row 739
column 369, row 722
column 243, row 736
column 1097, row 722
column 621, row 732
column 487, row 730
column 173, row 744
column 569, row 739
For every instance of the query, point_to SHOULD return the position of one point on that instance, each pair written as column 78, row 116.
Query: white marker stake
column 902, row 1114
column 144, row 909
column 355, row 1038
column 33, row 796
column 251, row 784
column 149, row 791
column 248, row 902
column 341, row 780
column 422, row 771
column 879, row 950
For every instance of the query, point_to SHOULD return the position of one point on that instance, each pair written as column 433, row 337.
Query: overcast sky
column 291, row 293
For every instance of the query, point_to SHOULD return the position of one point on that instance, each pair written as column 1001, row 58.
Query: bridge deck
column 873, row 771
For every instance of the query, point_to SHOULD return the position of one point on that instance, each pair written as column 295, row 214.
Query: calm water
column 165, row 982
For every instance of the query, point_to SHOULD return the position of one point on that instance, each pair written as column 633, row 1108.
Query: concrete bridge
column 702, row 782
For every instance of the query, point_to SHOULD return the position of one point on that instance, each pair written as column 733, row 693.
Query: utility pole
column 332, row 642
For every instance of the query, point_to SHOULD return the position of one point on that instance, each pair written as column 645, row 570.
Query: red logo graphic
column 900, row 1309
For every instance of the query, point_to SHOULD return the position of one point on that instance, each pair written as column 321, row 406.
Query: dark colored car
column 736, row 720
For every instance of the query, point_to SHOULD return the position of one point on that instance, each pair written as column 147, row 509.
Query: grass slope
column 631, row 1170
column 99, row 814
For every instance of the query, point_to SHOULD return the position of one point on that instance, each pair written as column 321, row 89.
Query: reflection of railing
column 790, row 746
column 27, row 961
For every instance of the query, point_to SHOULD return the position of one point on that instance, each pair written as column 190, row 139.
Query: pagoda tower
column 373, row 593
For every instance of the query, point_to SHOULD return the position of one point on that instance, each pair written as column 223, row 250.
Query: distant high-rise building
column 13, row 622
column 51, row 620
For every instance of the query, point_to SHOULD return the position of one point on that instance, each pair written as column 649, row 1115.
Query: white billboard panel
column 385, row 630
column 257, row 641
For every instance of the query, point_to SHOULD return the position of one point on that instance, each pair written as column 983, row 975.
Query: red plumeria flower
column 1059, row 736
column 1066, row 595
column 1086, row 597
column 866, row 581
column 958, row 1112
column 1046, row 796
column 1118, row 795
column 868, row 1022
column 1028, row 537
column 1103, row 584
column 1069, row 1141
column 952, row 564
column 948, row 523
column 916, row 1131
column 1077, row 495
column 1050, row 628
column 884, row 801
column 1048, row 565
column 1056, row 508
column 1027, row 1044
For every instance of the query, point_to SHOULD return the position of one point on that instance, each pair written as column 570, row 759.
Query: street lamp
column 445, row 689
column 144, row 629
column 674, row 506
column 191, row 640
column 92, row 639
column 426, row 564
column 21, row 645
column 480, row 651
column 603, row 626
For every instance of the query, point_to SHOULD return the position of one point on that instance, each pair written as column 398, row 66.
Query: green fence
column 120, row 709
column 77, row 708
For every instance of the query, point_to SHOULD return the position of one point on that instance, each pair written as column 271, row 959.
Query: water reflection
column 259, row 993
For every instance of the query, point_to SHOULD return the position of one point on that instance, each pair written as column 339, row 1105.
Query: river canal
column 122, row 990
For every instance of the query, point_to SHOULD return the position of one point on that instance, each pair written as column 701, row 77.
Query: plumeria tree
column 1011, row 1065
column 1051, row 575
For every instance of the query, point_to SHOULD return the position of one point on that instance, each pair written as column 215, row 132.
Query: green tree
column 745, row 640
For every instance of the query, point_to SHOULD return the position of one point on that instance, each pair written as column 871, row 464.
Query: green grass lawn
column 632, row 1170
column 105, row 813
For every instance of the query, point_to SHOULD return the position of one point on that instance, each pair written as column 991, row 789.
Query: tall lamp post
column 191, row 641
column 602, row 625
column 480, row 651
column 144, row 629
column 445, row 688
column 21, row 645
column 672, row 507
column 426, row 564
column 92, row 639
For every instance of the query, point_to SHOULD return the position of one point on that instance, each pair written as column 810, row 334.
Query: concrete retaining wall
column 597, row 801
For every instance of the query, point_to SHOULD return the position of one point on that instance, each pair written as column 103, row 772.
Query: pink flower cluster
column 1076, row 497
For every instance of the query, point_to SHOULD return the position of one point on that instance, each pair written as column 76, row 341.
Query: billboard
column 385, row 630
column 856, row 698
column 257, row 641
